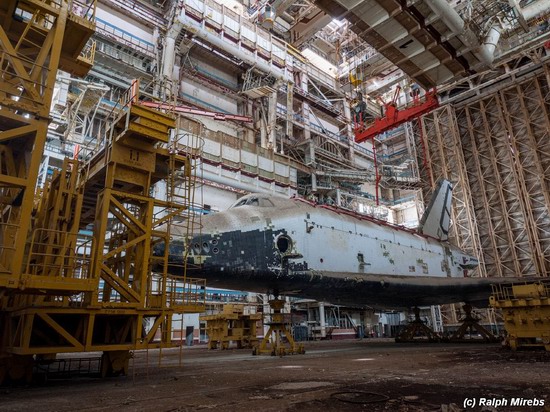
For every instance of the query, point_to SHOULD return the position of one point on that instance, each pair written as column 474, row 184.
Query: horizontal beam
column 197, row 112
column 22, row 131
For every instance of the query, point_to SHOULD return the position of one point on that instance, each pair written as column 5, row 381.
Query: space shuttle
column 269, row 244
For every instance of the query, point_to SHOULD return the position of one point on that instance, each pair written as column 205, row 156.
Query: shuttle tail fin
column 437, row 217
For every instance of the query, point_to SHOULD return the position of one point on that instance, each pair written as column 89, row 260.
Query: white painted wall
column 320, row 62
column 191, row 319
column 216, row 125
column 216, row 102
column 327, row 125
column 407, row 217
column 235, row 5
column 218, row 73
column 369, row 188
column 363, row 162
column 119, row 20
column 219, row 199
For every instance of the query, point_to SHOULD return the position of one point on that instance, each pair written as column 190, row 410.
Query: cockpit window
column 264, row 202
column 240, row 203
column 254, row 201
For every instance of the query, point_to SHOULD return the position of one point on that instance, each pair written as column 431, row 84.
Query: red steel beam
column 394, row 117
column 197, row 112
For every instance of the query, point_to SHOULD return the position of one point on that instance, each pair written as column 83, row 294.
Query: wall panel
column 496, row 150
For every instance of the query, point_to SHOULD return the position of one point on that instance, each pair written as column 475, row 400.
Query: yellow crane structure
column 62, row 289
column 526, row 313
column 232, row 325
column 34, row 44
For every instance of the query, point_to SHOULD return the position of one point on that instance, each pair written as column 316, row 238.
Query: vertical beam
column 499, row 174
column 502, row 141
column 478, row 183
column 465, row 221
column 508, row 107
column 272, row 121
column 423, row 143
column 289, row 111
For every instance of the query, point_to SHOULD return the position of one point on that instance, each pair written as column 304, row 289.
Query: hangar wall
column 496, row 149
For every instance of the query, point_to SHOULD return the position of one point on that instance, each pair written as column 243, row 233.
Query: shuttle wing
column 364, row 290
column 398, row 292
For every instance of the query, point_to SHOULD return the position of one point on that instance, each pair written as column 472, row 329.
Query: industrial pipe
column 448, row 15
column 484, row 52
column 169, row 55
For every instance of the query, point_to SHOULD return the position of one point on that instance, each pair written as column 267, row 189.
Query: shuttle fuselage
column 290, row 246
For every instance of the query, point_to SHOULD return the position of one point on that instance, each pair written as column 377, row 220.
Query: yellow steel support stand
column 127, row 299
column 273, row 342
column 526, row 312
column 232, row 325
column 471, row 327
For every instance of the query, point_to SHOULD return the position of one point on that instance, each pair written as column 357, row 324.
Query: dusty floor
column 354, row 375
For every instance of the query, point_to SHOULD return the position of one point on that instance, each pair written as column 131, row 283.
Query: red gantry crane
column 392, row 118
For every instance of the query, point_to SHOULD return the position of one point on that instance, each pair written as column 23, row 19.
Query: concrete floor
column 353, row 375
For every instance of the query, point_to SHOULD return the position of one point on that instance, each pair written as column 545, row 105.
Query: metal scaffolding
column 37, row 37
column 496, row 150
column 441, row 142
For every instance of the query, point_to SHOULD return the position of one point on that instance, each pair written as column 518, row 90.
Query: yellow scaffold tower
column 37, row 37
